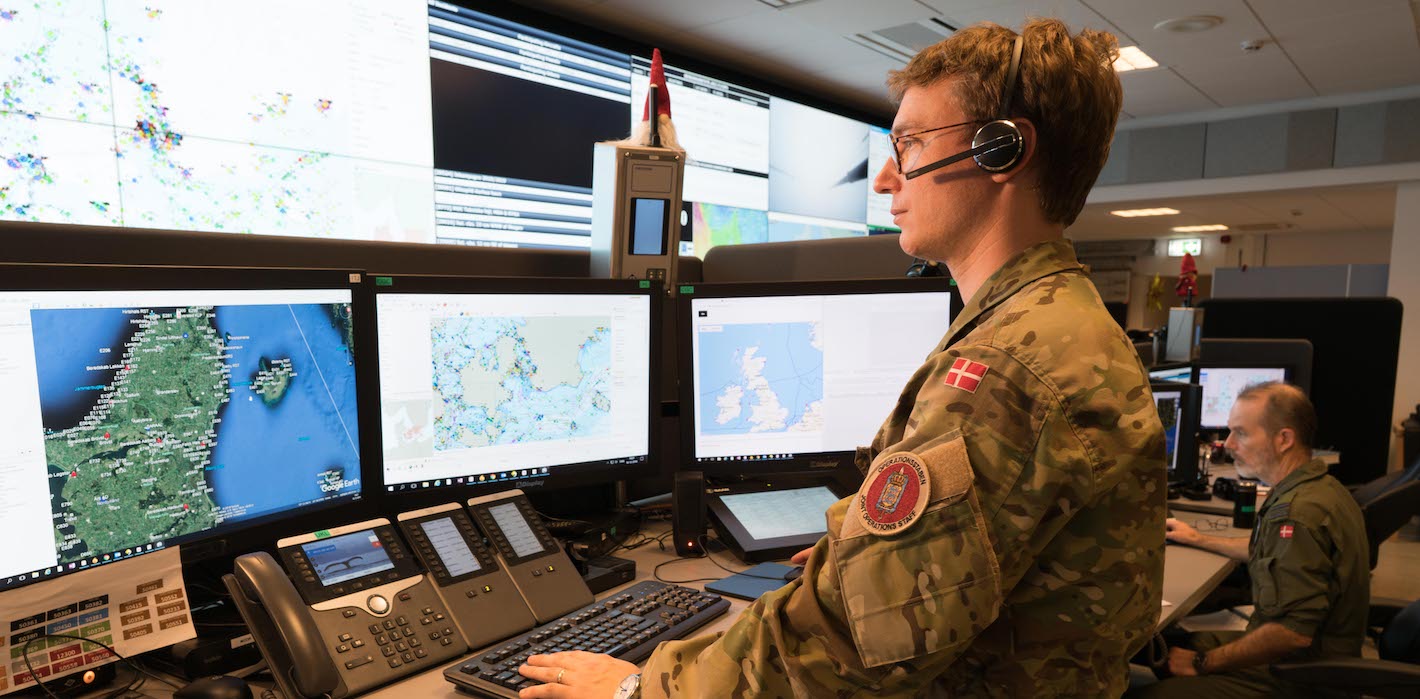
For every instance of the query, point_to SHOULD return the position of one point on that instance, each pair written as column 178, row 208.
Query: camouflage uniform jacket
column 1036, row 567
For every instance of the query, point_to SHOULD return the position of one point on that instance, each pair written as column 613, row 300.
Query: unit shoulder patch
column 894, row 494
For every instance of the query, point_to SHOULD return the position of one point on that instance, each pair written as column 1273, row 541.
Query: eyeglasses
column 907, row 149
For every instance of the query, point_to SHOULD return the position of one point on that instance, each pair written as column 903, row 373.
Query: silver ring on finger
column 560, row 673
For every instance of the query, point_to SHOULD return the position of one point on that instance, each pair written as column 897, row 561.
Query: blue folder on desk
column 751, row 583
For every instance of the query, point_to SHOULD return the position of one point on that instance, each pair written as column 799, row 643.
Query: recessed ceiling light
column 1131, row 213
column 1131, row 58
column 1195, row 23
column 1200, row 229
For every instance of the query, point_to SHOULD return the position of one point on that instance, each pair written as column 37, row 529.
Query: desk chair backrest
column 1401, row 639
column 1390, row 481
column 1386, row 513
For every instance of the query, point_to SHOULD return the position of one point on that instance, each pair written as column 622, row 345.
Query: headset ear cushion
column 1001, row 158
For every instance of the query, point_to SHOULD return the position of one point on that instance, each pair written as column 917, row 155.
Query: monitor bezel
column 1288, row 372
column 248, row 534
column 817, row 462
column 1191, row 394
column 582, row 473
column 1169, row 367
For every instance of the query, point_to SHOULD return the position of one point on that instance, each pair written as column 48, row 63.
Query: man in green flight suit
column 1008, row 536
column 1307, row 557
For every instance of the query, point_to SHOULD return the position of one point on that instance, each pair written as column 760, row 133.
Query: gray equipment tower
column 636, row 212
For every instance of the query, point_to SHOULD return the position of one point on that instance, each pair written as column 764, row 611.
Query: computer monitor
column 1293, row 353
column 146, row 407
column 1178, row 405
column 1222, row 384
column 498, row 383
column 791, row 377
column 1182, row 373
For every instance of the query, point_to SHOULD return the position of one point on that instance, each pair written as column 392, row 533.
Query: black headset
column 997, row 145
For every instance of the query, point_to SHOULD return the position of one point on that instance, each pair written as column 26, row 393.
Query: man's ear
column 1284, row 440
column 1028, row 148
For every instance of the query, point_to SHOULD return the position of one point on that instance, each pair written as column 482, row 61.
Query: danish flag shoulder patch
column 966, row 374
column 1285, row 531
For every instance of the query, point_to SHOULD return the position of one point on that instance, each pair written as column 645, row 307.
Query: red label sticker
column 1285, row 531
column 966, row 374
column 894, row 494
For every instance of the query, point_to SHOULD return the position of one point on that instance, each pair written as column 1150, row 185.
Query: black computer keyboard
column 628, row 626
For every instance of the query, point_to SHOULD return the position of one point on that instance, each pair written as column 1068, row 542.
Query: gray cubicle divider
column 1355, row 350
column 868, row 257
column 1309, row 281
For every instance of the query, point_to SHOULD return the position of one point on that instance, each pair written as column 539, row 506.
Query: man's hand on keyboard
column 574, row 675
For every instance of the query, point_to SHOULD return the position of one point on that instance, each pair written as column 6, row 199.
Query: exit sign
column 1178, row 247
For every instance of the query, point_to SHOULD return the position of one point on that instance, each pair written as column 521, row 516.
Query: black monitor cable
column 133, row 685
column 705, row 553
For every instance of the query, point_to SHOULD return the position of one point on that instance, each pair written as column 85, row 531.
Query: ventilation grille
column 1262, row 227
column 902, row 42
column 1096, row 249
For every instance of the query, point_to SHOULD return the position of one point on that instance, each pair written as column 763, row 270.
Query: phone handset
column 282, row 626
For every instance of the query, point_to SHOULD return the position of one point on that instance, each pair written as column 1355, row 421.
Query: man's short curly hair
column 1067, row 88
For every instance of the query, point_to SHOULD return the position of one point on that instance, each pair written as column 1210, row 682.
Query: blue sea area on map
column 266, row 457
column 68, row 342
column 269, row 457
column 793, row 368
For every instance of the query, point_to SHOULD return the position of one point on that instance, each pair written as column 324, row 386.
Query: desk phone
column 538, row 566
column 470, row 579
column 345, row 611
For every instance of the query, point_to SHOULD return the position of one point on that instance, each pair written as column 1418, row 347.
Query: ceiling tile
column 1359, row 66
column 1171, row 48
column 1161, row 91
column 682, row 16
column 1014, row 14
column 853, row 16
column 1370, row 208
column 1265, row 76
column 1278, row 13
column 763, row 32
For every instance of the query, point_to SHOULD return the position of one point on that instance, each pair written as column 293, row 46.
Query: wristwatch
column 628, row 687
column 1200, row 661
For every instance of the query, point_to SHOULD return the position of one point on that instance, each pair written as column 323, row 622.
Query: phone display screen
column 453, row 550
column 515, row 528
column 347, row 557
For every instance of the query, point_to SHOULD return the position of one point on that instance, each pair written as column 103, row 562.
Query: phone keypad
column 396, row 638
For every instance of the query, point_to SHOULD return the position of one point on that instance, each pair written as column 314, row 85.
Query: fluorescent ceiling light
column 1200, row 229
column 1131, row 58
column 1131, row 213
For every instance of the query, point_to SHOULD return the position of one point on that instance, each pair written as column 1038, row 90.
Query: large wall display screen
column 405, row 120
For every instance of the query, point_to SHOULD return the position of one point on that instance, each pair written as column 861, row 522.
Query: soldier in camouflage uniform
column 1008, row 537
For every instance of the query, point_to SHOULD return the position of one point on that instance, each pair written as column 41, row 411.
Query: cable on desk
column 132, row 686
column 705, row 554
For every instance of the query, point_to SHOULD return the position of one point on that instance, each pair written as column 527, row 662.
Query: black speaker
column 688, row 512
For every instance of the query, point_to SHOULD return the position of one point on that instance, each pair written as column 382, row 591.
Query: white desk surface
column 1189, row 575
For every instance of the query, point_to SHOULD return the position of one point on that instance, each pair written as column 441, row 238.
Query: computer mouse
column 793, row 573
column 215, row 687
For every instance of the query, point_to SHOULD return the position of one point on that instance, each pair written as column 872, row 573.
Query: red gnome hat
column 1188, row 266
column 663, row 96
column 665, row 128
column 1187, row 286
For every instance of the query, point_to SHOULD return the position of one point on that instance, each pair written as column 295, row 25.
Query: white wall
column 1296, row 249
column 1405, row 285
